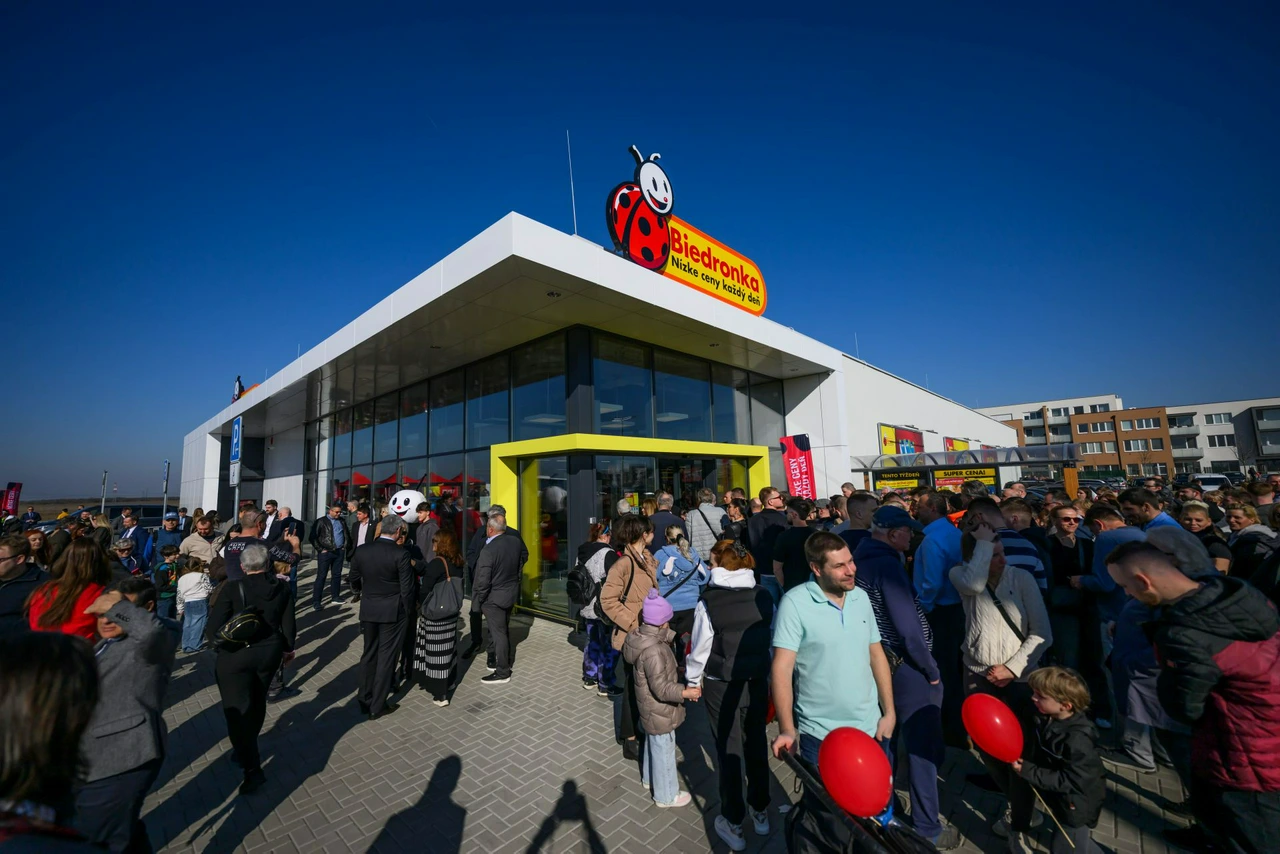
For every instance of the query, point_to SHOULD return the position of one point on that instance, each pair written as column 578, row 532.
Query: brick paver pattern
column 528, row 766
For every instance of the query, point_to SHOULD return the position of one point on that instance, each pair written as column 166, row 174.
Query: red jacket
column 1219, row 654
column 79, row 623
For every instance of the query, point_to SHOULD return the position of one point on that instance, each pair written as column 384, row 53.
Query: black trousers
column 107, row 810
column 682, row 624
column 382, row 643
column 630, row 713
column 1017, row 696
column 326, row 563
column 476, row 628
column 243, row 677
column 737, row 713
column 947, row 623
column 1245, row 822
column 497, row 624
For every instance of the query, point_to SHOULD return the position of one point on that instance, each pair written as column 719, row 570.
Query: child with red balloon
column 1064, row 764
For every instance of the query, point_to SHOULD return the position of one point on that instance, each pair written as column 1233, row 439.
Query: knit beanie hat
column 656, row 610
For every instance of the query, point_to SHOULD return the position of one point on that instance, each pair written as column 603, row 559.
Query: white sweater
column 988, row 640
column 192, row 586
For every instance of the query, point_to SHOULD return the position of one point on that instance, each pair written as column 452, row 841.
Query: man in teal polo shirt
column 825, row 636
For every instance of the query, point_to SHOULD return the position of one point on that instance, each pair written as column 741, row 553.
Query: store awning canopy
column 974, row 457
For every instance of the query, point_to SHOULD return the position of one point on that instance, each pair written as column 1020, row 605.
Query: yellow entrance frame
column 504, row 460
column 521, row 500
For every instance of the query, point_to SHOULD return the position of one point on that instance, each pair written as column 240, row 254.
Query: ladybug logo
column 637, row 213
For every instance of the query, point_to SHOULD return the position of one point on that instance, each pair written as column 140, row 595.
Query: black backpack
column 581, row 588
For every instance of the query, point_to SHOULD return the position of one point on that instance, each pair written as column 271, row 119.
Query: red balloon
column 992, row 726
column 855, row 771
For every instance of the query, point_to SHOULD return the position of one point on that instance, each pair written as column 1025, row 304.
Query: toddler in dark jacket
column 1064, row 763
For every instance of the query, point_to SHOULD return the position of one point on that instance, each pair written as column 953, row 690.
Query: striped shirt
column 1022, row 553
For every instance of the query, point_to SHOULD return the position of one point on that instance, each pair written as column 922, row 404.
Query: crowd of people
column 1149, row 613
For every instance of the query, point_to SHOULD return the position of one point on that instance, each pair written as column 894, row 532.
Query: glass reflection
column 538, row 389
column 446, row 416
column 623, row 385
column 487, row 385
column 362, row 435
column 730, row 404
column 414, row 402
column 385, row 427
column 683, row 396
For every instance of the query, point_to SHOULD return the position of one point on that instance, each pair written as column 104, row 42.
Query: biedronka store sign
column 638, row 213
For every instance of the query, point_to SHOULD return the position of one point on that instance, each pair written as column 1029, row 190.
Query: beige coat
column 659, row 694
column 626, row 617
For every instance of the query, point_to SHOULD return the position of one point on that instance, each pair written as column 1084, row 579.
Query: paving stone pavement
column 528, row 766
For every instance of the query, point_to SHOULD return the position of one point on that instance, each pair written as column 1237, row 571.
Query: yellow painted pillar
column 530, row 516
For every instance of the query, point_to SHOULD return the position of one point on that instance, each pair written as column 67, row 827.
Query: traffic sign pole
column 237, row 435
column 164, row 501
column 102, row 508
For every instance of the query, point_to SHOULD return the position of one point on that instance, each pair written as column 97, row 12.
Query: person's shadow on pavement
column 434, row 817
column 572, row 806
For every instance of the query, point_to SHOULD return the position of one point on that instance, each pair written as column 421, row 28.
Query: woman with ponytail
column 681, row 577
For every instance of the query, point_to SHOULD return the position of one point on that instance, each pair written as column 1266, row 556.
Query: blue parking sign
column 235, row 439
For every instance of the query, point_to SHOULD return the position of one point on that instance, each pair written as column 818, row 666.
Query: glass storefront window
column 730, row 405
column 623, row 385
column 384, row 486
column 344, row 382
column 360, row 486
column 446, row 414
column 538, row 389
column 682, row 395
column 412, row 472
column 414, row 403
column 338, row 486
column 487, row 394
column 341, row 439
column 385, row 427
column 767, row 423
column 445, row 476
column 630, row 478
column 544, row 526
column 362, row 434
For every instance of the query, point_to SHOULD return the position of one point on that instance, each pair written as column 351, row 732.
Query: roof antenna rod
column 572, row 199
column 856, row 354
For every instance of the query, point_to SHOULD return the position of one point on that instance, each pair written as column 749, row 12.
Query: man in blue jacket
column 907, row 641
column 941, row 603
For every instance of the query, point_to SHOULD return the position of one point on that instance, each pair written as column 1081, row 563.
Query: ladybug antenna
column 635, row 152
column 654, row 156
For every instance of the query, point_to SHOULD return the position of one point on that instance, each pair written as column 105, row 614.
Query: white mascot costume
column 405, row 504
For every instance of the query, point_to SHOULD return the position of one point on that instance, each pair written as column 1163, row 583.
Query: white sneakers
column 683, row 799
column 732, row 834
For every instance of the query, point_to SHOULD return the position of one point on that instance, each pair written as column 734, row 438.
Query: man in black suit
column 497, row 584
column 478, row 540
column 184, row 523
column 382, row 574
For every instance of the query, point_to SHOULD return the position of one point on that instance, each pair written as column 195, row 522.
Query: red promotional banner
column 798, row 460
column 11, row 494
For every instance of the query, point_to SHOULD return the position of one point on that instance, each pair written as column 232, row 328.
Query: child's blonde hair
column 192, row 564
column 1061, row 684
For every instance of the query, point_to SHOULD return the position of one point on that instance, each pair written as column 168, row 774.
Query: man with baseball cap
column 168, row 535
column 907, row 641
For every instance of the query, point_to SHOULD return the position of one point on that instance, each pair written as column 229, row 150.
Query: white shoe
column 759, row 821
column 683, row 799
column 441, row 703
column 731, row 834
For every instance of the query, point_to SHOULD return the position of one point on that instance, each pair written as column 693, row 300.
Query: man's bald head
column 1148, row 574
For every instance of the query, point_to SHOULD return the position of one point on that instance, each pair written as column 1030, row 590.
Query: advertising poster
column 950, row 444
column 900, row 440
column 11, row 495
column 952, row 478
column 797, row 458
column 900, row 479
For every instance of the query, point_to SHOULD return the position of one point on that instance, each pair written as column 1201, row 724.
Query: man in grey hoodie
column 705, row 523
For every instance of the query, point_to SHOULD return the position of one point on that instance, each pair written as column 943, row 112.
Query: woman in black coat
column 435, row 648
column 244, row 671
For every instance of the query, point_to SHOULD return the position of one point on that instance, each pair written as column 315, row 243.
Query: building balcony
column 1034, row 440
column 1193, row 430
column 1038, row 421
column 1188, row 453
column 1059, row 419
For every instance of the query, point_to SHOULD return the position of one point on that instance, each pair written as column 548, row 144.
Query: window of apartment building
column 1158, row 469
column 1060, row 432
column 1157, row 444
column 1082, row 428
column 1030, row 416
column 1060, row 412
column 1079, row 410
column 1180, row 442
column 1134, row 445
column 1091, row 448
column 1141, row 424
column 1034, row 432
column 1102, row 427
column 1227, row 440
column 1269, row 415
column 1182, row 421
column 1186, row 468
column 1218, row 418
column 1109, row 447
column 1100, row 407
column 1133, row 469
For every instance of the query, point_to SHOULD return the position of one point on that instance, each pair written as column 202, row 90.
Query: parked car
column 1236, row 477
column 1213, row 482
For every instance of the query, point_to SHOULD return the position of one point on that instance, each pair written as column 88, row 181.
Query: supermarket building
column 540, row 371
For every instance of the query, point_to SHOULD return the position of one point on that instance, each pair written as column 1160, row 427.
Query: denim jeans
column 194, row 615
column 809, row 745
column 658, row 767
column 166, row 608
column 599, row 658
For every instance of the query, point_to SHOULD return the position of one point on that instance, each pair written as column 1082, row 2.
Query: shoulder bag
column 245, row 626
column 445, row 600
column 1018, row 633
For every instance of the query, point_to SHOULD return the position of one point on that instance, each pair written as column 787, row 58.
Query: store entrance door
column 637, row 479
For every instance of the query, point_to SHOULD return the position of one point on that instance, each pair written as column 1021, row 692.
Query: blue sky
column 1016, row 203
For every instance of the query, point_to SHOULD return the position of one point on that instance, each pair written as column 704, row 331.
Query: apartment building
column 1230, row 435
column 1112, row 439
column 1233, row 435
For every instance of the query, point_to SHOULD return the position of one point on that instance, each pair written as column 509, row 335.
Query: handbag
column 245, row 626
column 445, row 600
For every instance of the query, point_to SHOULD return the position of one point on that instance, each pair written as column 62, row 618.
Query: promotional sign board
column 797, row 458
column 952, row 478
column 237, row 432
column 12, row 492
column 638, row 214
column 900, row 440
column 950, row 444
column 899, row 479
